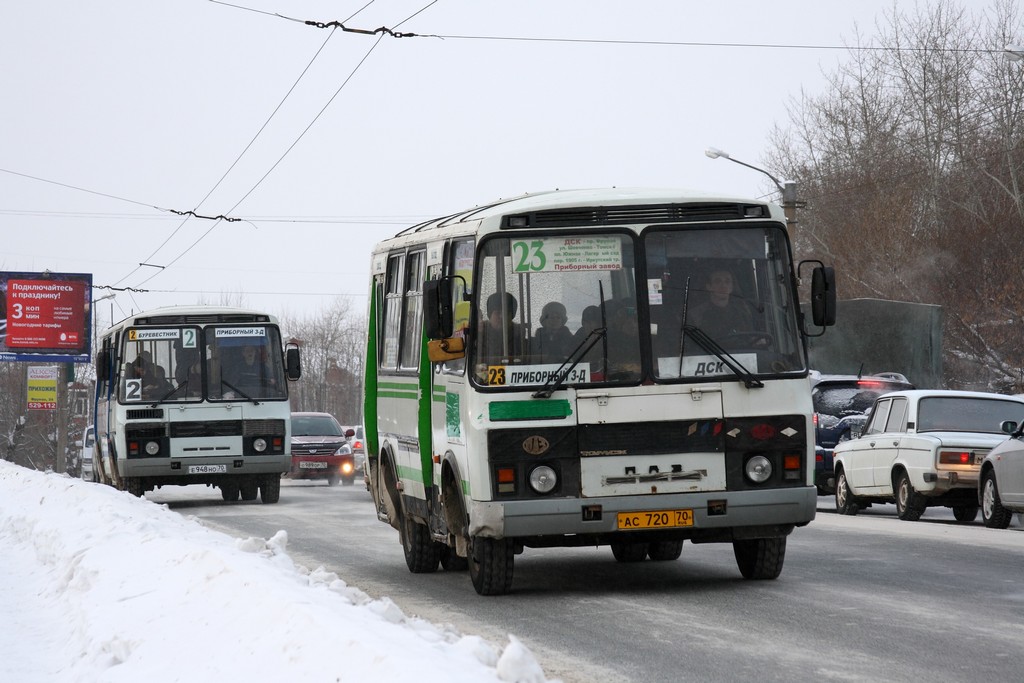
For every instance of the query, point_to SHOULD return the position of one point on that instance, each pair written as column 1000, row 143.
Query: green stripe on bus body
column 529, row 410
column 414, row 395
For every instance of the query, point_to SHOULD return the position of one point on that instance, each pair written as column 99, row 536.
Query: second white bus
column 195, row 395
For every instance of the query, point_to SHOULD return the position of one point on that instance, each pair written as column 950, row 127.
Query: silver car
column 1001, row 483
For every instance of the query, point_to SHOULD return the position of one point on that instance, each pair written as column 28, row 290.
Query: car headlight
column 543, row 479
column 152, row 447
column 758, row 469
column 344, row 449
column 259, row 444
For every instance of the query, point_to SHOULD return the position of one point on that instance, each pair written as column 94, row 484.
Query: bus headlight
column 152, row 447
column 259, row 445
column 543, row 479
column 758, row 469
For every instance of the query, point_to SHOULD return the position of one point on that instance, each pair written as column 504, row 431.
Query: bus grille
column 145, row 414
column 217, row 428
column 628, row 215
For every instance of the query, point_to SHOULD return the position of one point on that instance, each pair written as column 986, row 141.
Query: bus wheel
column 450, row 560
column 248, row 489
column 422, row 553
column 229, row 492
column 665, row 551
column 134, row 486
column 630, row 552
column 491, row 564
column 760, row 558
column 270, row 488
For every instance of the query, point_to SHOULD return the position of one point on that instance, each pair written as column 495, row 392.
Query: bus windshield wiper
column 170, row 393
column 246, row 396
column 711, row 346
column 557, row 378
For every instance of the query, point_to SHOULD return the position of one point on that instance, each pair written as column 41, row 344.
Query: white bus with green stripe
column 650, row 422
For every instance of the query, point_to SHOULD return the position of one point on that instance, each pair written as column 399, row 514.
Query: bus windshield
column 702, row 303
column 191, row 363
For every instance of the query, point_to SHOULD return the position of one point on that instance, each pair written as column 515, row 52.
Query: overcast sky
column 115, row 112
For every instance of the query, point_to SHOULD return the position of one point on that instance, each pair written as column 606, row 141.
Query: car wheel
column 993, row 513
column 846, row 504
column 348, row 481
column 908, row 508
column 332, row 479
column 965, row 513
column 629, row 552
column 760, row 558
column 422, row 553
column 665, row 551
column 491, row 563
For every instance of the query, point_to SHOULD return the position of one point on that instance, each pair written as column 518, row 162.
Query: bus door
column 639, row 440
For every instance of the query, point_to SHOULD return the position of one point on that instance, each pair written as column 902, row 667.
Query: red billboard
column 45, row 316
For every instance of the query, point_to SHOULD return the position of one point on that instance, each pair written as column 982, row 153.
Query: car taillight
column 357, row 444
column 955, row 457
column 815, row 418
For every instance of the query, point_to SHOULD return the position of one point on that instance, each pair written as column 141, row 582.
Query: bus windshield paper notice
column 567, row 254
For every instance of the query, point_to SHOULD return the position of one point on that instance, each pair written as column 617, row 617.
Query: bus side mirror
column 823, row 296
column 292, row 363
column 438, row 316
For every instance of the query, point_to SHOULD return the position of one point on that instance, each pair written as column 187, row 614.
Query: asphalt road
column 864, row 598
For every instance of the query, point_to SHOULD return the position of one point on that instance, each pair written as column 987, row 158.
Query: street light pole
column 1014, row 53
column 786, row 187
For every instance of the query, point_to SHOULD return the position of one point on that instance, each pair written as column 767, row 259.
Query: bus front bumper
column 713, row 515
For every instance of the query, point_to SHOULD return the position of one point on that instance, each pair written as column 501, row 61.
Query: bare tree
column 332, row 344
column 911, row 166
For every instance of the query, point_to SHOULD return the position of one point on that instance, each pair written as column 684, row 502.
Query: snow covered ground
column 96, row 585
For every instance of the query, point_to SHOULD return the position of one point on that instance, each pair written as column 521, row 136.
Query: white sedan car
column 922, row 448
column 1001, row 487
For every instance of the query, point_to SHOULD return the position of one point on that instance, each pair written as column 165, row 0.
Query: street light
column 786, row 187
column 1014, row 53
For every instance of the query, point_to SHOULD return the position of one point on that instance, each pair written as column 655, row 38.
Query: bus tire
column 134, row 486
column 270, row 488
column 760, row 558
column 665, row 551
column 422, row 553
column 450, row 560
column 630, row 552
column 491, row 565
column 249, row 489
column 229, row 492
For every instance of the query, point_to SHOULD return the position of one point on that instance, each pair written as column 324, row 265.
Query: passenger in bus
column 501, row 338
column 623, row 340
column 723, row 314
column 590, row 320
column 153, row 376
column 552, row 341
column 246, row 371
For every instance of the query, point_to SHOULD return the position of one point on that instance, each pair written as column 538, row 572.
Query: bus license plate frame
column 207, row 469
column 654, row 519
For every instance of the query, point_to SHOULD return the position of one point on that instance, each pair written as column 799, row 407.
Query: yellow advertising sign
column 42, row 387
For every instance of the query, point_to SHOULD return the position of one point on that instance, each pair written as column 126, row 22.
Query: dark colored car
column 320, row 449
column 841, row 403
